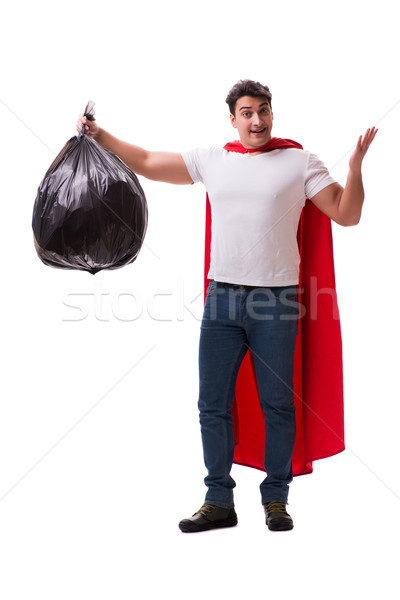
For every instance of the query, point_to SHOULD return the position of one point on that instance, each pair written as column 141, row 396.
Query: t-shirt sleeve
column 195, row 161
column 317, row 176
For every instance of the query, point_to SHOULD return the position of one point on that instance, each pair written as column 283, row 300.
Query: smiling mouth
column 257, row 131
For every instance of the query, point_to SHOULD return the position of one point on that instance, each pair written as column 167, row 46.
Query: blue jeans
column 236, row 319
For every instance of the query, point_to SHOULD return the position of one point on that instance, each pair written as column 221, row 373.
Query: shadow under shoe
column 209, row 517
column 277, row 518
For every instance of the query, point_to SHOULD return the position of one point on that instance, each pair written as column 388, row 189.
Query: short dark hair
column 247, row 87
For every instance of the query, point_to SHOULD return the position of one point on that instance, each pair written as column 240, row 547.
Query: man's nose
column 256, row 120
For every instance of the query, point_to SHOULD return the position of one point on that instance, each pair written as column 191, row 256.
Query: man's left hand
column 361, row 149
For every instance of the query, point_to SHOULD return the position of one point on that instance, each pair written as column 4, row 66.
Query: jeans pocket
column 212, row 286
column 285, row 293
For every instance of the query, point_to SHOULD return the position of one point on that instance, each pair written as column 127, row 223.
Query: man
column 257, row 189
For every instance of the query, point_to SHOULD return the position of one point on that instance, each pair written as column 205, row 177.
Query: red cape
column 318, row 370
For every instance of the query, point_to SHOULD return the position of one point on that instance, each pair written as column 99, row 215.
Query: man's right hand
column 91, row 127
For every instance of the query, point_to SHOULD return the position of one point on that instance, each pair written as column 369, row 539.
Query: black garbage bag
column 90, row 211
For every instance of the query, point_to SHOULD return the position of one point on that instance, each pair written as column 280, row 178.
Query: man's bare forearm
column 135, row 157
column 352, row 199
column 158, row 166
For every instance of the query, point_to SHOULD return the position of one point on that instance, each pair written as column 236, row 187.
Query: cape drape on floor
column 318, row 370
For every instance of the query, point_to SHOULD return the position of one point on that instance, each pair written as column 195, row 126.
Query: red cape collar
column 273, row 144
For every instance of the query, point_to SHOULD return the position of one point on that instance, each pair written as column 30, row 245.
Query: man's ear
column 233, row 120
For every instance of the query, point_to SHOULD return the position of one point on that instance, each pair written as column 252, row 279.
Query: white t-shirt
column 256, row 203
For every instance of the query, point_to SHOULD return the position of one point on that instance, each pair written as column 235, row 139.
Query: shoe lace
column 276, row 507
column 206, row 508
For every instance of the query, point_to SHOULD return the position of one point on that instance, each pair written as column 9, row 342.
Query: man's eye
column 246, row 114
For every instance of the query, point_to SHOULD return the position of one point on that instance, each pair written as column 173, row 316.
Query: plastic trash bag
column 90, row 211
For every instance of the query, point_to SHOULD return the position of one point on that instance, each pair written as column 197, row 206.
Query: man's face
column 253, row 120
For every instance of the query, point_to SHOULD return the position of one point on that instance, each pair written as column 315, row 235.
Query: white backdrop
column 99, row 438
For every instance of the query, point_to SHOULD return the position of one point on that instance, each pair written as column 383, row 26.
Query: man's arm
column 159, row 166
column 344, row 205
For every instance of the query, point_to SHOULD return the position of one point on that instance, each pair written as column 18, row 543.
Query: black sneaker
column 209, row 517
column 277, row 518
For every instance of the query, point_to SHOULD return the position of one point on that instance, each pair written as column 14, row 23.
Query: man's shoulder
column 290, row 155
column 204, row 151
